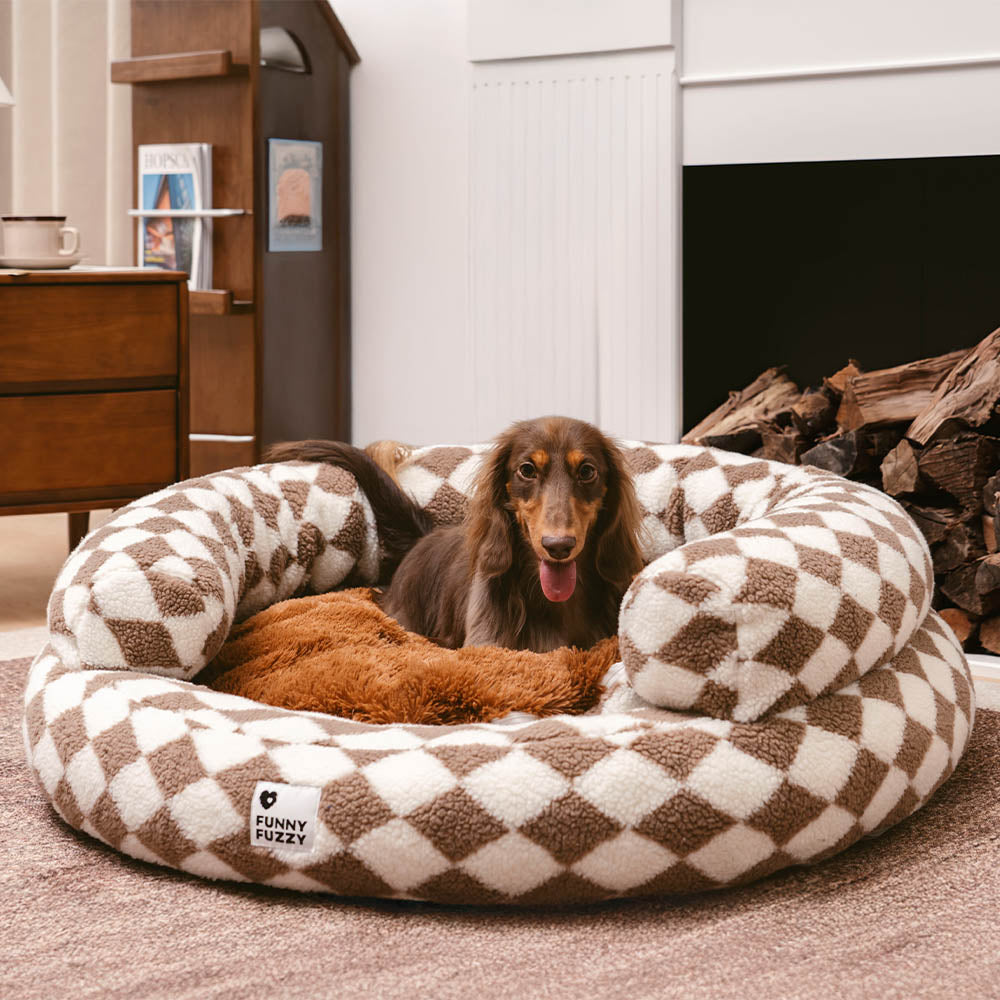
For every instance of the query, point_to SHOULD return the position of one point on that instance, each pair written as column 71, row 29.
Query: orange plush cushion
column 339, row 653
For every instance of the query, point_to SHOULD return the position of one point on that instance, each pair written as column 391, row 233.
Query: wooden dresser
column 93, row 389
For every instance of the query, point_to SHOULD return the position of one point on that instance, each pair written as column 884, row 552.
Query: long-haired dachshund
column 547, row 549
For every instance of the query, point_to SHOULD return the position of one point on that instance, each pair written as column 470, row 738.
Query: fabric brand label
column 284, row 816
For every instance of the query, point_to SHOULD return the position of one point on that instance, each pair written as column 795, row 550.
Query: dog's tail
column 401, row 523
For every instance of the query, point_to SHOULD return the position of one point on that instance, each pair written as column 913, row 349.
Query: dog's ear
column 618, row 556
column 489, row 521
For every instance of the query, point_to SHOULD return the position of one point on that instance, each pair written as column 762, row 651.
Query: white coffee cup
column 38, row 237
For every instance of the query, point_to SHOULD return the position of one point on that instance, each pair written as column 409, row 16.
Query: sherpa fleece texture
column 785, row 609
column 341, row 654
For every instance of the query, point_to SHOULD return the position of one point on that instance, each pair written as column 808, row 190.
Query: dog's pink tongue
column 558, row 580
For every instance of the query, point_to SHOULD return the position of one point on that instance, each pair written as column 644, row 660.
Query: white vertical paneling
column 573, row 238
column 71, row 129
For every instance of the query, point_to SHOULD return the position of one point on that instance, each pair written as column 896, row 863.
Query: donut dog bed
column 784, row 690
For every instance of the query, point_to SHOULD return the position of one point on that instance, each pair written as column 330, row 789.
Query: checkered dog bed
column 784, row 691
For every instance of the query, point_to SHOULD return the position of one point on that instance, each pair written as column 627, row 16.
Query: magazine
column 176, row 176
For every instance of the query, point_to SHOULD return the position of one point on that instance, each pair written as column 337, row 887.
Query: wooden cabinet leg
column 79, row 525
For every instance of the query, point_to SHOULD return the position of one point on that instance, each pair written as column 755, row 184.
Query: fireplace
column 791, row 271
column 809, row 264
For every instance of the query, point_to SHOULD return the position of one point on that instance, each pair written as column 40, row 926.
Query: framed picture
column 295, row 195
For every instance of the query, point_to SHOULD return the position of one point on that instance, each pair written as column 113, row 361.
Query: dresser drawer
column 87, row 444
column 55, row 337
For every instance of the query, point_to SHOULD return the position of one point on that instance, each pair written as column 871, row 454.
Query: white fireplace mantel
column 780, row 80
column 581, row 115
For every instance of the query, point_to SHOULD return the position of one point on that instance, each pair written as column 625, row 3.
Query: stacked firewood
column 928, row 433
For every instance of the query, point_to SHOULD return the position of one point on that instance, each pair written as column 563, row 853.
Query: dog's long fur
column 478, row 583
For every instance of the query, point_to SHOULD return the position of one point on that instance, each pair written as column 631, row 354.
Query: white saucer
column 42, row 263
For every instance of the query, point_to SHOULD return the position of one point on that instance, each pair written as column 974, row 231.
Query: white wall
column 732, row 36
column 6, row 114
column 785, row 80
column 478, row 296
column 409, row 220
column 70, row 128
column 518, row 29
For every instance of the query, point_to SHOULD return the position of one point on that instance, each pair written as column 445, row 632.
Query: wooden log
column 988, row 575
column 772, row 392
column 814, row 413
column 990, row 493
column 782, row 444
column 882, row 441
column 933, row 522
column 746, row 441
column 961, row 466
column 961, row 623
column 893, row 395
column 990, row 539
column 965, row 397
column 845, row 454
column 989, row 634
column 961, row 544
column 899, row 470
column 838, row 381
column 960, row 586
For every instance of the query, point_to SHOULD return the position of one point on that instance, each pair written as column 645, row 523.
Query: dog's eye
column 587, row 473
column 527, row 471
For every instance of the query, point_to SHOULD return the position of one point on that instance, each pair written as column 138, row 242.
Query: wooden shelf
column 218, row 302
column 177, row 66
column 275, row 327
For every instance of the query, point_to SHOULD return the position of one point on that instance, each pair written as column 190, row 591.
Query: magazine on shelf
column 176, row 177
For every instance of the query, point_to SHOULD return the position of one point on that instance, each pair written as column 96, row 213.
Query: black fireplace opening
column 809, row 264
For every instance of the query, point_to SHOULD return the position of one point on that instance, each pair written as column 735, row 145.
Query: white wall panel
column 785, row 80
column 943, row 112
column 513, row 29
column 730, row 36
column 573, row 242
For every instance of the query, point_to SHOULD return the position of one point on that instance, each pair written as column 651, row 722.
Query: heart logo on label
column 267, row 799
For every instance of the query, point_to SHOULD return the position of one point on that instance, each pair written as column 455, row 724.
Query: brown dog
column 547, row 550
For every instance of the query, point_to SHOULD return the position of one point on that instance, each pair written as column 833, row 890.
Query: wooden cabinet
column 93, row 388
column 270, row 344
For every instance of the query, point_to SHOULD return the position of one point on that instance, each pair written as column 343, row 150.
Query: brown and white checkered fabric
column 779, row 584
column 631, row 799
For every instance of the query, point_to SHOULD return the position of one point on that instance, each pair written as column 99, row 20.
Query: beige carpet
column 33, row 548
column 913, row 914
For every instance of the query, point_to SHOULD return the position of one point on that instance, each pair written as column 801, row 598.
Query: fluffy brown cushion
column 339, row 653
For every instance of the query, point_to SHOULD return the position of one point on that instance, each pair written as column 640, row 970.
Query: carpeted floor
column 33, row 547
column 913, row 914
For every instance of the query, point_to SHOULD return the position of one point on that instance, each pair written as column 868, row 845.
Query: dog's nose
column 558, row 546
